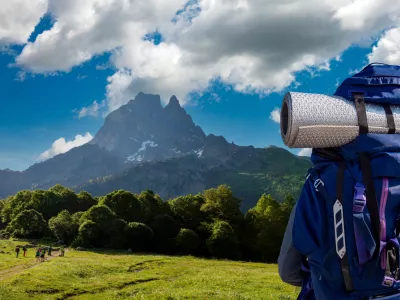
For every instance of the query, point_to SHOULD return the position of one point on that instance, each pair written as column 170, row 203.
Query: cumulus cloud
column 18, row 19
column 276, row 115
column 305, row 152
column 253, row 45
column 61, row 146
column 91, row 110
column 387, row 49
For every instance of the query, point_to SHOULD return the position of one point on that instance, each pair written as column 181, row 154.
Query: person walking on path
column 17, row 250
column 42, row 254
column 62, row 250
column 50, row 250
column 38, row 254
column 24, row 249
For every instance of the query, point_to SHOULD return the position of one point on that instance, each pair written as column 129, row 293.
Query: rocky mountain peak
column 143, row 131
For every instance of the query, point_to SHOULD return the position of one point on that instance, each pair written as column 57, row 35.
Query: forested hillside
column 207, row 224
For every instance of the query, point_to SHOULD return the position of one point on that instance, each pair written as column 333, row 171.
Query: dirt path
column 7, row 273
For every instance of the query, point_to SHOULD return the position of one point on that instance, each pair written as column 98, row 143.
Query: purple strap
column 359, row 202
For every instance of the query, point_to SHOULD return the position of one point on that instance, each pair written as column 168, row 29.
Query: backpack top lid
column 380, row 83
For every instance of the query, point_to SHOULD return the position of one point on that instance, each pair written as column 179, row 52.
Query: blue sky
column 39, row 108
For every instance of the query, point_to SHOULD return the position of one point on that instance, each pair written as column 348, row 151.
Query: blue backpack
column 347, row 219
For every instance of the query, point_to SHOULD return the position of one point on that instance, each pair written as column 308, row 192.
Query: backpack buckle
column 388, row 281
column 359, row 200
column 318, row 183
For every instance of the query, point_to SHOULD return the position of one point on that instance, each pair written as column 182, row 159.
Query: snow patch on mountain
column 138, row 156
column 199, row 152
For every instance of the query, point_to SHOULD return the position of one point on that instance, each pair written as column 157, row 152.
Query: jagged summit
column 173, row 101
column 143, row 130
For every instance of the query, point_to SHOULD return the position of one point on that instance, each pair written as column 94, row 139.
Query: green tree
column 187, row 210
column 268, row 225
column 222, row 205
column 2, row 225
column 165, row 229
column 152, row 206
column 28, row 224
column 139, row 236
column 187, row 241
column 77, row 217
column 64, row 227
column 88, row 236
column 223, row 242
column 103, row 218
column 84, row 202
column 124, row 204
column 101, row 215
column 117, row 233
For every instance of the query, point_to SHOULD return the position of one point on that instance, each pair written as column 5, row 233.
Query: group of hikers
column 40, row 252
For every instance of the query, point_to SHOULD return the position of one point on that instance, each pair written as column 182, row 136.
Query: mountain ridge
column 143, row 145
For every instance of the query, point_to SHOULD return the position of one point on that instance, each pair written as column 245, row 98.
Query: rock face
column 143, row 130
column 143, row 145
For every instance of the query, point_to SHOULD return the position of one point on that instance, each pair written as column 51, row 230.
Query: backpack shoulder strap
column 372, row 205
column 338, row 219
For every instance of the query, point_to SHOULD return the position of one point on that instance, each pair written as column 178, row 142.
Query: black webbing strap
column 361, row 112
column 344, row 262
column 372, row 203
column 390, row 119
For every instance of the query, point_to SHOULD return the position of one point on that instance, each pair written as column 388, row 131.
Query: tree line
column 208, row 224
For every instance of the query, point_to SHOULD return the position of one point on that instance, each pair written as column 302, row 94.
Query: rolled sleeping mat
column 321, row 121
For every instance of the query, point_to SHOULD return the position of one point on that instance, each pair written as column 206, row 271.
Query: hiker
column 42, row 254
column 38, row 251
column 50, row 251
column 24, row 249
column 62, row 250
column 342, row 238
column 17, row 250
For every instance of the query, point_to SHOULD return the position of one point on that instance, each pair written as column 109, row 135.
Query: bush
column 139, row 236
column 187, row 241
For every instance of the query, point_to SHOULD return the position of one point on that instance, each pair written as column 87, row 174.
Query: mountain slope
column 249, row 171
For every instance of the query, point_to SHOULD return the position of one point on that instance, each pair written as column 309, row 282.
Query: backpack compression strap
column 362, row 115
column 361, row 112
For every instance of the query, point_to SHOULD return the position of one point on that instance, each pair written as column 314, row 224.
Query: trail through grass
column 113, row 275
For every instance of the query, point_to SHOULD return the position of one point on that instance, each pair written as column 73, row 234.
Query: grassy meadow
column 117, row 275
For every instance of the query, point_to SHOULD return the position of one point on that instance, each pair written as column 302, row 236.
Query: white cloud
column 355, row 71
column 305, row 152
column 91, row 110
column 253, row 45
column 61, row 146
column 18, row 19
column 387, row 49
column 276, row 115
column 20, row 76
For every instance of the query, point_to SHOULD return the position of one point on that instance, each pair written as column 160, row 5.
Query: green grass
column 8, row 258
column 113, row 275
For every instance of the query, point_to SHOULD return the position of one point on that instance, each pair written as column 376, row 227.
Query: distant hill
column 143, row 145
